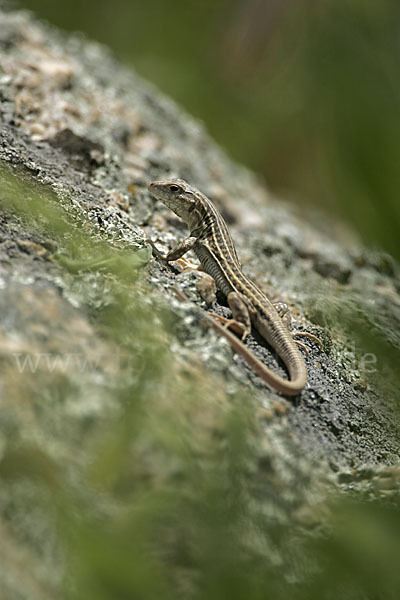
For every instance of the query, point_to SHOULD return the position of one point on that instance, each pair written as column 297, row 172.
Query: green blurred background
column 306, row 93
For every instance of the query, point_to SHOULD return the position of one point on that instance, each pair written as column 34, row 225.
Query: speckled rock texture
column 75, row 120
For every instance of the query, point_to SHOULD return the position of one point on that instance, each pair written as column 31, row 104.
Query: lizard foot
column 302, row 346
column 309, row 336
column 233, row 324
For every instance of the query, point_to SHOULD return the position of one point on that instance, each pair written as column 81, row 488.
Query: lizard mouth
column 174, row 194
column 159, row 191
column 154, row 188
column 162, row 191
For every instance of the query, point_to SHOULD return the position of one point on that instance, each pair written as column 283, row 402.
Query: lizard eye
column 173, row 188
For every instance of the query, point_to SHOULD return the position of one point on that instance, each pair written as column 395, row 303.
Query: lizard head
column 180, row 197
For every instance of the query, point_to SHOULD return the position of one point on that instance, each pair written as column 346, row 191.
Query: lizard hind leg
column 283, row 311
column 240, row 313
column 281, row 308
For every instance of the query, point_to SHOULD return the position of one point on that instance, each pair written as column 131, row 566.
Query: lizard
column 210, row 240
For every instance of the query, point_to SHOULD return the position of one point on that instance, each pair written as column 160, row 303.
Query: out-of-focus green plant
column 359, row 557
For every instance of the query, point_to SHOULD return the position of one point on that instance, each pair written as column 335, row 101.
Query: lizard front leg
column 176, row 252
column 206, row 285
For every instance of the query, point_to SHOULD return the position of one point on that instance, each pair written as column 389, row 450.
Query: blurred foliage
column 169, row 497
column 307, row 93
